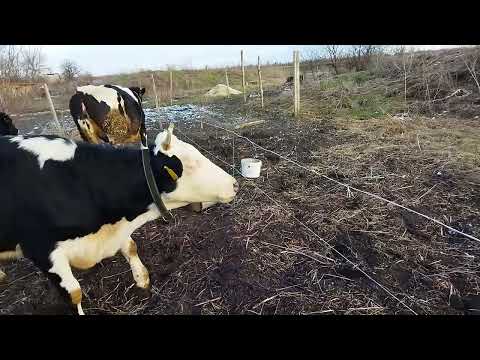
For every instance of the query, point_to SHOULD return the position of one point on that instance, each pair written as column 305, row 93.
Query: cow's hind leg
column 139, row 271
column 61, row 267
column 11, row 254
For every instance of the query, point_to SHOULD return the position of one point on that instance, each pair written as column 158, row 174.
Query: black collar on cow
column 147, row 169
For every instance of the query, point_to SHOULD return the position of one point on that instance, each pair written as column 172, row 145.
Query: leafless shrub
column 70, row 70
column 32, row 63
column 334, row 55
column 311, row 59
column 10, row 63
column 18, row 63
column 471, row 62
column 404, row 64
column 358, row 57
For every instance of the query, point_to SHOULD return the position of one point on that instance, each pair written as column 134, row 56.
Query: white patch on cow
column 106, row 94
column 80, row 310
column 201, row 181
column 128, row 91
column 61, row 267
column 46, row 149
column 87, row 251
column 101, row 93
column 139, row 271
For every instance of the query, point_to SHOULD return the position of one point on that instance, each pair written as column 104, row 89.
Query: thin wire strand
column 348, row 187
column 330, row 247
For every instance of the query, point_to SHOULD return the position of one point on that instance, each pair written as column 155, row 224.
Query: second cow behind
column 108, row 113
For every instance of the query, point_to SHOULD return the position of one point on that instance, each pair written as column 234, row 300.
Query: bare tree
column 334, row 54
column 406, row 61
column 70, row 70
column 312, row 57
column 359, row 57
column 32, row 63
column 10, row 64
column 18, row 63
column 471, row 61
column 378, row 57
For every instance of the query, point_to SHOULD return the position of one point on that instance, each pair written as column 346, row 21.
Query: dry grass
column 256, row 257
column 188, row 84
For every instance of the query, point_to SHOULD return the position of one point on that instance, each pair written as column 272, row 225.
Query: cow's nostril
column 236, row 186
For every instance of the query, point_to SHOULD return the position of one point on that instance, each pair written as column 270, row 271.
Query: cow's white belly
column 87, row 251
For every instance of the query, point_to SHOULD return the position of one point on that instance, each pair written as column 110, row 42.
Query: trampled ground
column 276, row 249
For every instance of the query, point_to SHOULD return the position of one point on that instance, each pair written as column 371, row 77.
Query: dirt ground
column 255, row 256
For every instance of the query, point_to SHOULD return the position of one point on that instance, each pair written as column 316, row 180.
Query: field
column 294, row 242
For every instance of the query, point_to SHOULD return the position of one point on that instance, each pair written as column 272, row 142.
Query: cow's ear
column 164, row 141
column 76, row 106
column 167, row 143
column 142, row 91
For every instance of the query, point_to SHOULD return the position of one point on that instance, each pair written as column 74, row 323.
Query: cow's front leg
column 61, row 267
column 139, row 271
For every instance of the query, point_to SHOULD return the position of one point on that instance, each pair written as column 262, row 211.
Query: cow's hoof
column 80, row 309
column 144, row 293
column 76, row 296
column 195, row 207
column 143, row 279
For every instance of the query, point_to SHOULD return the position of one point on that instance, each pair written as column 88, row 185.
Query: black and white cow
column 71, row 204
column 6, row 125
column 108, row 113
column 290, row 79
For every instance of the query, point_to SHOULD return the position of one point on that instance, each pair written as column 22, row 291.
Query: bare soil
column 258, row 256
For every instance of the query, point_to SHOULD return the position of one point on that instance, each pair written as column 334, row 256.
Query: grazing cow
column 108, row 113
column 290, row 79
column 71, row 204
column 6, row 125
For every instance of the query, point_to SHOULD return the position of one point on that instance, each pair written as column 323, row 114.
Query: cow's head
column 6, row 125
column 138, row 91
column 201, row 181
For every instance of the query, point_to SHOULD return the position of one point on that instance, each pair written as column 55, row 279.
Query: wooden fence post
column 226, row 80
column 243, row 77
column 260, row 80
column 171, row 88
column 296, row 83
column 52, row 109
column 294, row 63
column 156, row 98
column 155, row 92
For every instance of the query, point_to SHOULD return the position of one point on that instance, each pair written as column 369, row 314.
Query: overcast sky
column 111, row 59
